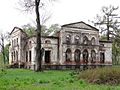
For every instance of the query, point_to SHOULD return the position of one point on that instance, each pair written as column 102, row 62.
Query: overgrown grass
column 21, row 79
column 108, row 75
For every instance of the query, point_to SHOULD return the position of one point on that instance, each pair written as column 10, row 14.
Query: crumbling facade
column 75, row 44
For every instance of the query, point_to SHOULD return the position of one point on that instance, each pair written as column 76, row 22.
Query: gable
column 15, row 29
column 80, row 25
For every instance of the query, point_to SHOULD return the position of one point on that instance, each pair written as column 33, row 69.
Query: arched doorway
column 68, row 55
column 102, row 57
column 77, row 55
column 93, row 56
column 85, row 56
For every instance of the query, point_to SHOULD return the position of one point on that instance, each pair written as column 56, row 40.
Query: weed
column 102, row 75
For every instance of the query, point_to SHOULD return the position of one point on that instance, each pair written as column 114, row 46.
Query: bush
column 108, row 75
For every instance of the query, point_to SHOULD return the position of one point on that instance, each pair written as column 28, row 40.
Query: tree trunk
column 3, row 50
column 38, row 37
column 108, row 28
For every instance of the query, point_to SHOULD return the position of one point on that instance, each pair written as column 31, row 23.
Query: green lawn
column 21, row 79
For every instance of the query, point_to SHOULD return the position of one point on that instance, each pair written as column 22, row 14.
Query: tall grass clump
column 106, row 75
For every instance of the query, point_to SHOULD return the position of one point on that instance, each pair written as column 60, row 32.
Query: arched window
column 77, row 38
column 68, row 55
column 93, row 41
column 68, row 39
column 85, row 56
column 93, row 56
column 30, row 56
column 47, row 41
column 77, row 55
column 85, row 40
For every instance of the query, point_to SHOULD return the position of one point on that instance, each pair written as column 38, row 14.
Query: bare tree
column 108, row 22
column 29, row 5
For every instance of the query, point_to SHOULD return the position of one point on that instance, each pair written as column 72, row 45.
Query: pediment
column 80, row 25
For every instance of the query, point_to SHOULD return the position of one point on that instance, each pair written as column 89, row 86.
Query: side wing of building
column 17, row 47
column 22, row 50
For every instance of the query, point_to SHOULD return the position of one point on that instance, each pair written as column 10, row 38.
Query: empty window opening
column 102, row 57
column 68, row 39
column 26, row 56
column 93, row 56
column 68, row 55
column 77, row 40
column 85, row 40
column 77, row 55
column 93, row 41
column 85, row 56
column 47, row 56
column 30, row 56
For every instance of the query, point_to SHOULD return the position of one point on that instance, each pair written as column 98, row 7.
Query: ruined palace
column 75, row 44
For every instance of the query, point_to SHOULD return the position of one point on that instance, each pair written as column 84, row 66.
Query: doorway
column 77, row 56
column 47, row 56
column 85, row 56
column 85, row 59
column 102, row 57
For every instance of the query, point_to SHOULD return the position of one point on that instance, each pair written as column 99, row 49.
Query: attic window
column 47, row 41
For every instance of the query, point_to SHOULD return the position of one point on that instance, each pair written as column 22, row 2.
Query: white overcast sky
column 63, row 11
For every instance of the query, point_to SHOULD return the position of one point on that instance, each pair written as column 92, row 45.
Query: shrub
column 108, row 75
column 71, row 80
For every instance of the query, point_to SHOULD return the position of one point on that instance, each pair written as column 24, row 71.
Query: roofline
column 66, row 25
column 70, row 24
column 17, row 28
column 105, row 41
column 45, row 36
